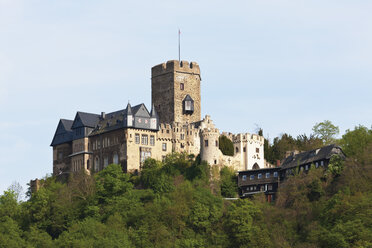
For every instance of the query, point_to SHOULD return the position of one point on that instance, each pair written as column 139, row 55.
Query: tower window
column 152, row 140
column 206, row 143
column 182, row 86
column 164, row 146
column 137, row 138
column 188, row 105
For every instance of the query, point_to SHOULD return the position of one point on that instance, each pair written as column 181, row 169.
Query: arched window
column 236, row 150
column 115, row 158
column 255, row 166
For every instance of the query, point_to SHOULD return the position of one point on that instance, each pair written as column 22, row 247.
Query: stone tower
column 175, row 88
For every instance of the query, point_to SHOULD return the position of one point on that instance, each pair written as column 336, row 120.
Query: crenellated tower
column 175, row 88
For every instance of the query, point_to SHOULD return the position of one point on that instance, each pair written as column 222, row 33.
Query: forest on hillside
column 180, row 203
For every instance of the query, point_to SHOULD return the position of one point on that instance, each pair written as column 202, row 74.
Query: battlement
column 175, row 65
column 244, row 137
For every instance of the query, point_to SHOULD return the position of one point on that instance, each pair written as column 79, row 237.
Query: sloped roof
column 87, row 119
column 63, row 132
column 118, row 119
column 312, row 156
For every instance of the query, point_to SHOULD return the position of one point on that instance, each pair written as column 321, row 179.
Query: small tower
column 153, row 118
column 129, row 116
column 175, row 89
column 209, row 135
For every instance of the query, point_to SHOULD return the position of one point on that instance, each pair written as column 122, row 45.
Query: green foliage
column 336, row 165
column 357, row 144
column 228, row 182
column 226, row 146
column 326, row 131
column 170, row 204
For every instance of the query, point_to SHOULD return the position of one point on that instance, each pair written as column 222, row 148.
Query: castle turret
column 153, row 118
column 129, row 115
column 175, row 90
column 209, row 135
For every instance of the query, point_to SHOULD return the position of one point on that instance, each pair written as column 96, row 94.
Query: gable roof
column 309, row 157
column 140, row 111
column 118, row 119
column 63, row 132
column 85, row 120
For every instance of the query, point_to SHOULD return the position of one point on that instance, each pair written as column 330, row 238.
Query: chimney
column 103, row 115
column 277, row 163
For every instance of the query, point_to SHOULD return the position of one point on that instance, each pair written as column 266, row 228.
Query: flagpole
column 179, row 45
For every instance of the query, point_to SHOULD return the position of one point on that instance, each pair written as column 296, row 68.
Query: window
column 96, row 164
column 60, row 155
column 216, row 142
column 182, row 86
column 257, row 150
column 262, row 188
column 152, row 140
column 316, row 164
column 188, row 105
column 236, row 150
column 244, row 177
column 182, row 145
column 182, row 136
column 244, row 149
column 268, row 175
column 115, row 159
column 322, row 163
column 145, row 139
column 164, row 146
column 105, row 162
column 215, row 161
column 205, row 143
column 98, row 144
column 259, row 176
column 251, row 177
column 301, row 168
column 275, row 174
column 144, row 155
column 270, row 187
column 137, row 138
column 306, row 167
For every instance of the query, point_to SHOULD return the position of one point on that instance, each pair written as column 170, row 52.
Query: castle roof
column 85, row 120
column 63, row 133
column 119, row 119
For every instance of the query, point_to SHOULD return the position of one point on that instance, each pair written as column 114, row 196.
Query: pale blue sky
column 281, row 65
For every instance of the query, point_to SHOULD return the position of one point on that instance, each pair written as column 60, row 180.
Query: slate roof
column 63, row 133
column 118, row 119
column 88, row 119
column 311, row 156
column 67, row 124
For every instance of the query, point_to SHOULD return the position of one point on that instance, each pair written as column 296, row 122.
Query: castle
column 128, row 137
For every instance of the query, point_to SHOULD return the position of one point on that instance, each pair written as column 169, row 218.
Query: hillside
column 176, row 203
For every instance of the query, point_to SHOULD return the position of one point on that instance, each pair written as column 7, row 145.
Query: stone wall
column 168, row 94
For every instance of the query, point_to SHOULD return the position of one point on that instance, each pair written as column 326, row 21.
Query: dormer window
column 188, row 105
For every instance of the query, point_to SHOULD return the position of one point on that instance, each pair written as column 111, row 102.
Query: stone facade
column 171, row 82
column 127, row 137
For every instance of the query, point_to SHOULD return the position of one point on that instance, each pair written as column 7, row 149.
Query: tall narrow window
column 137, row 138
column 115, row 159
column 152, row 140
column 145, row 139
column 206, row 143
column 164, row 146
column 182, row 86
column 105, row 162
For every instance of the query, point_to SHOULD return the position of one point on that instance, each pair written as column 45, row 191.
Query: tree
column 326, row 131
column 226, row 146
column 357, row 143
column 228, row 182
